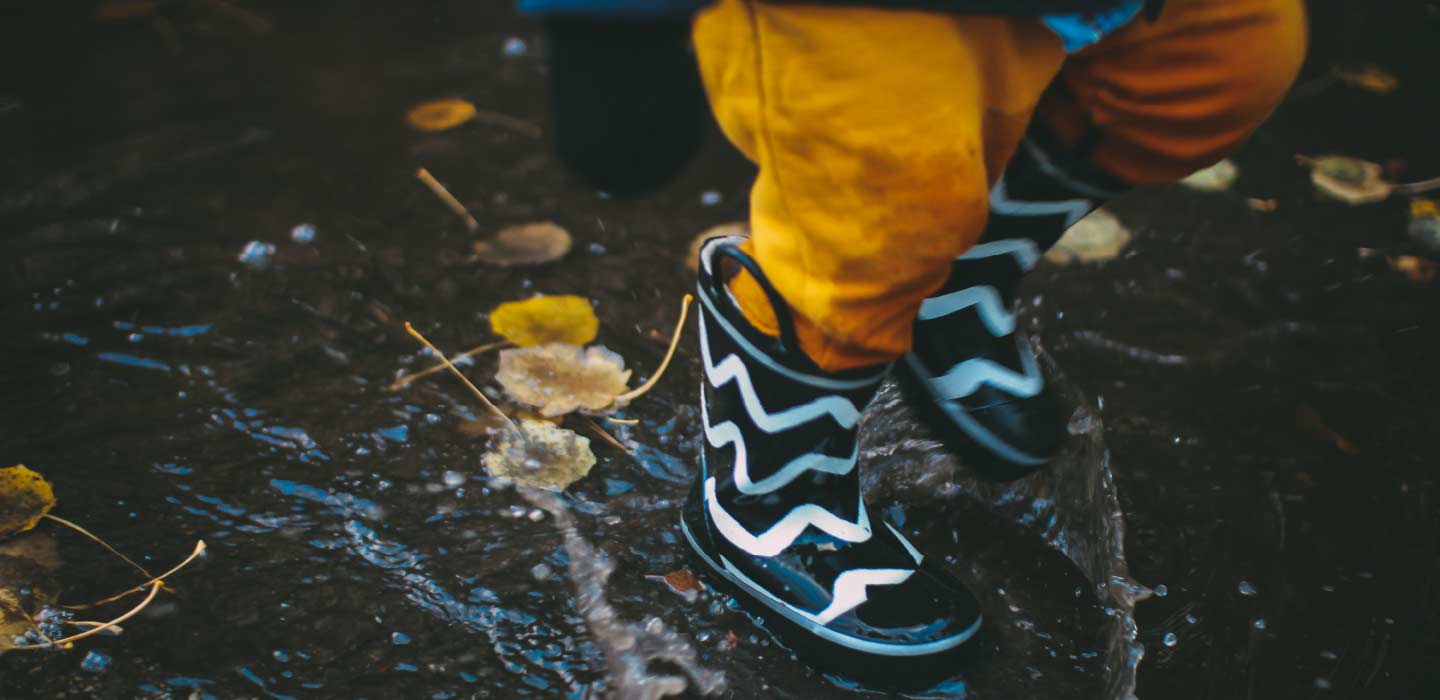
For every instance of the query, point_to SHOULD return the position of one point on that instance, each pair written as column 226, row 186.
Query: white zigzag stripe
column 780, row 535
column 1073, row 209
column 849, row 590
column 1024, row 250
column 732, row 368
column 987, row 302
column 728, row 433
column 963, row 379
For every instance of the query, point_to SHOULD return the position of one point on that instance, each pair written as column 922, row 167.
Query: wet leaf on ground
column 734, row 228
column 439, row 115
column 681, row 581
column 524, row 244
column 1350, row 180
column 25, row 498
column 1372, row 78
column 1425, row 222
column 1216, row 178
column 549, row 457
column 1095, row 238
column 546, row 319
column 27, row 582
column 1416, row 269
column 559, row 378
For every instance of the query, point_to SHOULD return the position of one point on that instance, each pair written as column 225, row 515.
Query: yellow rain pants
column 878, row 134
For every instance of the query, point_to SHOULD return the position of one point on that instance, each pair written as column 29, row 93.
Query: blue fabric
column 1082, row 29
column 613, row 8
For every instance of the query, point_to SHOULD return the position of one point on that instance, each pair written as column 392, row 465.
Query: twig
column 447, row 198
column 199, row 549
column 622, row 421
column 1420, row 187
column 406, row 380
column 113, row 624
column 629, row 396
column 100, row 542
column 607, row 436
column 478, row 394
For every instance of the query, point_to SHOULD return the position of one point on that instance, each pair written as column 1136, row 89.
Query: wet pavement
column 173, row 393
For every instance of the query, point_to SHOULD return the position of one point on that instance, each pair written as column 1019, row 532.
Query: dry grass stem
column 100, row 542
column 473, row 389
column 665, row 363
column 447, row 198
column 199, row 549
column 408, row 379
column 155, row 587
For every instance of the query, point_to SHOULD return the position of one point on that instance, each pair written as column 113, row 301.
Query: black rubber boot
column 777, row 515
column 973, row 375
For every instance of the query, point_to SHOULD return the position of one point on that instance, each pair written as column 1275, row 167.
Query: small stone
column 541, row 571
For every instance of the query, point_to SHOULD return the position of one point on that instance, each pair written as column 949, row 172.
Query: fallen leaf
column 1216, row 178
column 1347, row 179
column 1418, row 270
column 681, row 581
column 560, row 378
column 1372, row 78
column 546, row 319
column 1424, row 224
column 25, row 498
column 439, row 115
column 734, row 228
column 525, row 244
column 27, row 563
column 1095, row 238
column 1310, row 421
column 549, row 457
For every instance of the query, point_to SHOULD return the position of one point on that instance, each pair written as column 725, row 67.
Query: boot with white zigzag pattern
column 974, row 376
column 777, row 513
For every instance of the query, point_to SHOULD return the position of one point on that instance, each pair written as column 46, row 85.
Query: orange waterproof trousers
column 879, row 133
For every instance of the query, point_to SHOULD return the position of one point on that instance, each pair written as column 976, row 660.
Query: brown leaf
column 26, row 562
column 560, row 378
column 682, row 582
column 524, row 245
column 1372, row 78
column 548, row 457
column 1418, row 270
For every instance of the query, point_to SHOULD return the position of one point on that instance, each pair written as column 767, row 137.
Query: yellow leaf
column 1372, row 78
column 523, row 245
column 1215, row 178
column 563, row 318
column 25, row 497
column 549, row 457
column 1418, row 270
column 1095, row 238
column 560, row 378
column 439, row 115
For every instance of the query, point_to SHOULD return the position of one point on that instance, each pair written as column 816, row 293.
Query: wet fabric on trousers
column 879, row 133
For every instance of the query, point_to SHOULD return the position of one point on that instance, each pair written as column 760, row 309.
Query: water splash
column 629, row 647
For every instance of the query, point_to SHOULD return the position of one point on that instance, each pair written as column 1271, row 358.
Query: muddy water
column 173, row 392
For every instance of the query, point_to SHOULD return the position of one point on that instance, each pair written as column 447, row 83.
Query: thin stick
column 100, row 542
column 115, row 623
column 1419, row 187
column 447, row 198
column 608, row 437
column 117, row 629
column 199, row 549
column 629, row 396
column 406, row 380
column 623, row 421
column 478, row 394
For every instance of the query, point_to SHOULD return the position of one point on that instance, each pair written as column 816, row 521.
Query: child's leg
column 877, row 134
column 1150, row 104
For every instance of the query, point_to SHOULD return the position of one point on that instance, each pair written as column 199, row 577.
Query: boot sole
column 984, row 458
column 899, row 669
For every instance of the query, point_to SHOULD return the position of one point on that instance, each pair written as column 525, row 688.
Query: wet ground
column 172, row 393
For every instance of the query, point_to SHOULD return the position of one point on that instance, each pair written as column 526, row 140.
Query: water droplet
column 1260, row 623
column 541, row 571
column 135, row 337
column 1191, row 619
column 95, row 662
column 1161, row 591
column 256, row 254
column 280, row 656
column 1170, row 639
column 303, row 233
column 399, row 639
column 537, row 515
column 710, row 198
column 1329, row 655
column 454, row 479
column 515, row 46
column 1246, row 589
